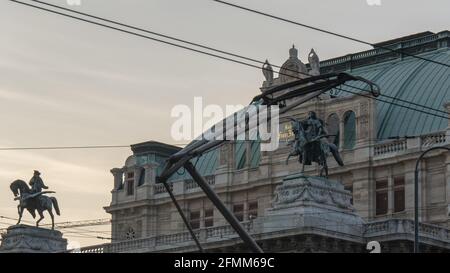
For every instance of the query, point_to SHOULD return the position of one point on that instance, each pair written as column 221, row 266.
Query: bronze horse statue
column 310, row 145
column 33, row 201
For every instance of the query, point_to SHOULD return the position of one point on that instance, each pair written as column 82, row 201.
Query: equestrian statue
column 34, row 198
column 310, row 143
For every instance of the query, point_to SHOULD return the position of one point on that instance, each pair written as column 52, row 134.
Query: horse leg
column 287, row 159
column 41, row 216
column 324, row 166
column 20, row 210
column 31, row 211
column 53, row 218
column 321, row 165
column 293, row 153
column 323, row 170
column 303, row 161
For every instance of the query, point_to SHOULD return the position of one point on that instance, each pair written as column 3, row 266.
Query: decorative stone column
column 118, row 182
column 409, row 187
column 150, row 221
column 150, row 178
column 118, row 177
column 150, row 173
column 390, row 192
column 363, row 192
column 28, row 239
column 341, row 133
column 362, row 124
column 137, row 193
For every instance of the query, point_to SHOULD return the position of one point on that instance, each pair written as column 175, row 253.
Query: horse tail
column 336, row 155
column 55, row 205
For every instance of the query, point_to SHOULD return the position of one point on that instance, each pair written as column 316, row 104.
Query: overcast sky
column 68, row 83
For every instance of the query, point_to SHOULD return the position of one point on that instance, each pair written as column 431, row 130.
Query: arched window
column 333, row 129
column 349, row 130
column 141, row 180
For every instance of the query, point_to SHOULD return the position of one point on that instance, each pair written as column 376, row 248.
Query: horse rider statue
column 36, row 183
column 34, row 198
column 311, row 145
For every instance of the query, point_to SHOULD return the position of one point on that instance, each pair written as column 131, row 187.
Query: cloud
column 57, row 173
column 34, row 99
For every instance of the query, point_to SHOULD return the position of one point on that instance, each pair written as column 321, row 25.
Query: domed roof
column 414, row 80
column 293, row 68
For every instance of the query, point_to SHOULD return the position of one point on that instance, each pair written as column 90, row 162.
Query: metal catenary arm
column 304, row 89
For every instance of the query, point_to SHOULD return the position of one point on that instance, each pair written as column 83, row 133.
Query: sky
column 69, row 83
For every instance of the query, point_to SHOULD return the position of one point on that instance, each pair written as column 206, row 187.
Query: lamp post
column 416, row 196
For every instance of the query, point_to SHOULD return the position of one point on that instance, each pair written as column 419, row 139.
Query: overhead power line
column 68, row 224
column 135, row 34
column 73, row 147
column 83, row 233
column 204, row 52
column 329, row 32
column 197, row 51
column 101, row 221
column 392, row 103
column 63, row 147
column 215, row 49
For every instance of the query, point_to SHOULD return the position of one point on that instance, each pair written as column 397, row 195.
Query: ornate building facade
column 379, row 142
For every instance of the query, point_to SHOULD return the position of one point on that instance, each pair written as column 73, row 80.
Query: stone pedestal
column 312, row 203
column 29, row 239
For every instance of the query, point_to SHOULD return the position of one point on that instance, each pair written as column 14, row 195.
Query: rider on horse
column 314, row 133
column 36, row 183
column 34, row 198
column 310, row 144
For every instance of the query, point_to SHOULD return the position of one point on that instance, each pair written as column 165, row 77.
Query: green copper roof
column 408, row 78
column 241, row 157
column 205, row 164
column 413, row 80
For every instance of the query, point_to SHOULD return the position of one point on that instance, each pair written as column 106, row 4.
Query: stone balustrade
column 390, row 147
column 434, row 139
column 159, row 188
column 393, row 147
column 167, row 241
column 380, row 51
column 406, row 226
column 190, row 184
column 222, row 233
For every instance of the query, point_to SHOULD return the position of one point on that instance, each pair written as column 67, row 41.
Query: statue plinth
column 310, row 202
column 29, row 239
